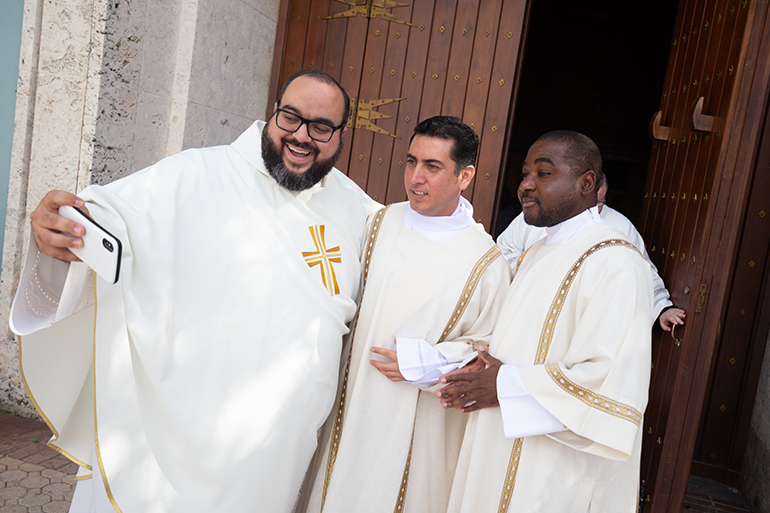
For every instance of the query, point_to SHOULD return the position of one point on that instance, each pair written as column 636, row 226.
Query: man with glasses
column 198, row 381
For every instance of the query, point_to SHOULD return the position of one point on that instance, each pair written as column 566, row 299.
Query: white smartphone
column 101, row 250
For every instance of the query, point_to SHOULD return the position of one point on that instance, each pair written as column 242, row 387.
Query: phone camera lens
column 107, row 244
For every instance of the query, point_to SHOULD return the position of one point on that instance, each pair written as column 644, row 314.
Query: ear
column 343, row 131
column 275, row 107
column 465, row 177
column 588, row 182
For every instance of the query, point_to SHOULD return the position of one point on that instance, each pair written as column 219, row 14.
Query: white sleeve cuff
column 420, row 363
column 522, row 414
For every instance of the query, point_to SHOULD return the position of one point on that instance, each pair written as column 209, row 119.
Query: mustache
column 303, row 146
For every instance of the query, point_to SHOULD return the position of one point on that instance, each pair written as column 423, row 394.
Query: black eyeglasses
column 317, row 130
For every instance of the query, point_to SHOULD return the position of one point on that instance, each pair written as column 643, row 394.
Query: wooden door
column 403, row 62
column 693, row 206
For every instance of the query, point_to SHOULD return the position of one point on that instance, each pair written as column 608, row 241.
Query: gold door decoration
column 363, row 116
column 370, row 9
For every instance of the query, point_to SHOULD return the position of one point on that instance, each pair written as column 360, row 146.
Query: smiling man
column 200, row 381
column 556, row 403
column 434, row 281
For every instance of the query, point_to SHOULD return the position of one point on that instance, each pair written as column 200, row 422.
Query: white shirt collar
column 440, row 228
column 558, row 234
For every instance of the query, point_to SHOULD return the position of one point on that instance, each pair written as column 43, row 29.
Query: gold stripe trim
column 55, row 437
column 520, row 259
column 401, row 501
column 83, row 478
column 510, row 476
column 600, row 402
column 546, row 337
column 336, row 436
column 96, row 426
column 546, row 334
column 470, row 287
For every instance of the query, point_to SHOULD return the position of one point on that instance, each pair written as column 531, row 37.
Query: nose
column 418, row 174
column 302, row 134
column 527, row 184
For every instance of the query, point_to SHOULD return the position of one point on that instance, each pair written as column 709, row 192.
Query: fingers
column 50, row 229
column 387, row 353
column 388, row 369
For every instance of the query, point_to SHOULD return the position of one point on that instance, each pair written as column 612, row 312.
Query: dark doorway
column 597, row 67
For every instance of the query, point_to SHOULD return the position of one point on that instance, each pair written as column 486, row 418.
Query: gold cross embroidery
column 324, row 257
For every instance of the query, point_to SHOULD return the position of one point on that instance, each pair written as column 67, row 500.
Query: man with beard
column 557, row 400
column 519, row 236
column 198, row 381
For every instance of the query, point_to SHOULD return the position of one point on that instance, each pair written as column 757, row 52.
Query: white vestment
column 519, row 236
column 216, row 355
column 576, row 324
column 393, row 447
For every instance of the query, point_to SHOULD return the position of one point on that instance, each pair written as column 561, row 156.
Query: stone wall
column 755, row 479
column 107, row 87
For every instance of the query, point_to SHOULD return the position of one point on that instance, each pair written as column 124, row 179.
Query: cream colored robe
column 397, row 444
column 216, row 355
column 576, row 321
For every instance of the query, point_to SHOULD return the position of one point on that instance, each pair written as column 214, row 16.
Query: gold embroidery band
column 401, row 501
column 470, row 287
column 336, row 436
column 510, row 476
column 324, row 258
column 593, row 400
column 546, row 336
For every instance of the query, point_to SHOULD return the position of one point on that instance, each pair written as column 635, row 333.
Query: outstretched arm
column 50, row 229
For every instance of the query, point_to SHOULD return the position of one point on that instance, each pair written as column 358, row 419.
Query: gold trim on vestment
column 401, row 500
column 520, row 259
column 48, row 423
column 510, row 476
column 96, row 430
column 470, row 287
column 83, row 478
column 593, row 400
column 546, row 337
column 336, row 435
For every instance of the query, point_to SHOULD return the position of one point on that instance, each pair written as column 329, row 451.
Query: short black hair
column 581, row 153
column 465, row 142
column 323, row 77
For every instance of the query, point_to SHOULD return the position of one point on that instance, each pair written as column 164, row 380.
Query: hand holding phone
column 101, row 250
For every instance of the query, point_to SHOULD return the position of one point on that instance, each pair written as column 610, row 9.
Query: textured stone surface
column 756, row 474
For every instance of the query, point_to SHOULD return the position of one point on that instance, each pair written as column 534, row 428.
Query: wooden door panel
column 497, row 113
column 661, row 167
column 684, row 233
column 458, row 70
column 408, row 115
column 441, row 28
column 371, row 77
column 383, row 152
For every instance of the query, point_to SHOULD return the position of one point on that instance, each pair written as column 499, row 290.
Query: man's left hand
column 388, row 369
column 470, row 391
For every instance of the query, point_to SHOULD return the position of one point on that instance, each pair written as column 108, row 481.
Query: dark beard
column 295, row 181
column 553, row 216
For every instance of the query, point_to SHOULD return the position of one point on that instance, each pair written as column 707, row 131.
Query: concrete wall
column 755, row 480
column 107, row 87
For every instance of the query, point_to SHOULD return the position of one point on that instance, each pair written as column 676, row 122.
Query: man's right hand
column 50, row 229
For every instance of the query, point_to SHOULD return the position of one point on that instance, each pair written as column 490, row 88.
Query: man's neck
column 560, row 233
